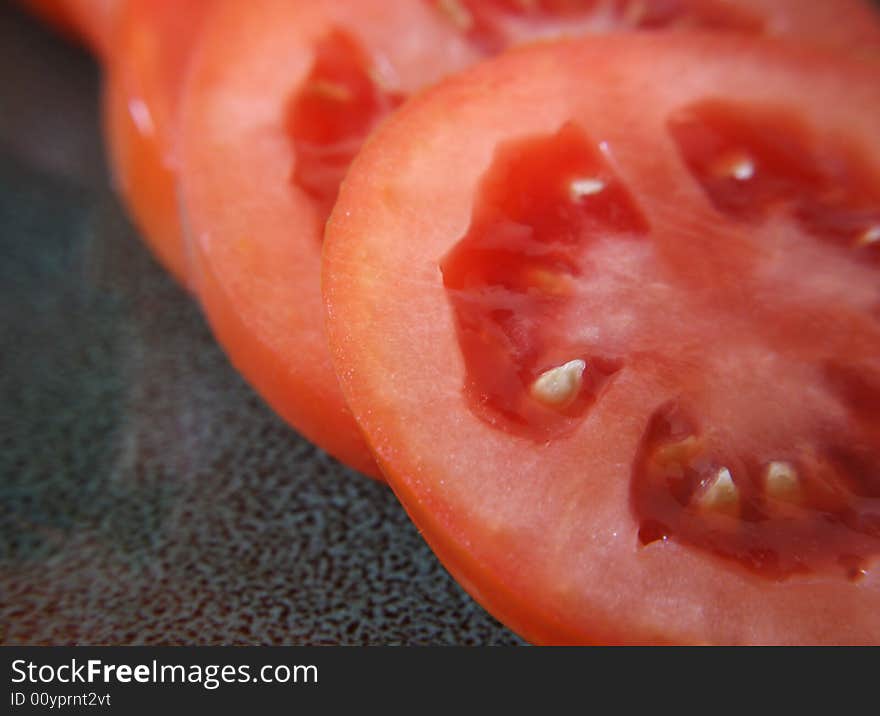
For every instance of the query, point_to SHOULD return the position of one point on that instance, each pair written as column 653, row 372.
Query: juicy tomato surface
column 143, row 85
column 609, row 315
column 280, row 100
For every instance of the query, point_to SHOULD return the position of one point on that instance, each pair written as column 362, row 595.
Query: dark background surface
column 147, row 495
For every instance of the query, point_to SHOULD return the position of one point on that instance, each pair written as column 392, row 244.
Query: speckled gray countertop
column 147, row 495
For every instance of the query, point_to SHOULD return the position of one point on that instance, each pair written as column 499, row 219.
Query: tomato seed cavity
column 757, row 162
column 815, row 509
column 492, row 25
column 332, row 113
column 543, row 203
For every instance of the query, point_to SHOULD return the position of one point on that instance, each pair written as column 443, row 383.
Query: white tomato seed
column 559, row 386
column 580, row 188
column 721, row 493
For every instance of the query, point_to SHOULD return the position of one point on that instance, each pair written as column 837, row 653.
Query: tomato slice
column 285, row 93
column 144, row 82
column 608, row 313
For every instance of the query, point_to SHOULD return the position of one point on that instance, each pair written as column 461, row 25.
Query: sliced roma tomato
column 153, row 44
column 609, row 314
column 283, row 94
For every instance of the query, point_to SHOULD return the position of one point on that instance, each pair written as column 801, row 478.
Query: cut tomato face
column 609, row 314
column 142, row 92
column 286, row 93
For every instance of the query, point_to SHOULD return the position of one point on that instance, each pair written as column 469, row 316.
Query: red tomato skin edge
column 161, row 230
column 150, row 189
column 348, row 446
column 143, row 177
column 501, row 602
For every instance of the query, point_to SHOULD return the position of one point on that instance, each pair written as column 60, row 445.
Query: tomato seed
column 869, row 237
column 585, row 187
column 558, row 387
column 719, row 493
column 781, row 481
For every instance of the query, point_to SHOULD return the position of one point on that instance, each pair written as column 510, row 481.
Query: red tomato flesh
column 286, row 92
column 627, row 381
column 516, row 270
column 332, row 115
column 142, row 92
column 281, row 114
column 493, row 25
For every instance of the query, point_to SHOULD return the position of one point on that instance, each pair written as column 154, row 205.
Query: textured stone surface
column 146, row 494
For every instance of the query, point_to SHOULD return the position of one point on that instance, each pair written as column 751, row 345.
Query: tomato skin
column 543, row 535
column 91, row 20
column 142, row 91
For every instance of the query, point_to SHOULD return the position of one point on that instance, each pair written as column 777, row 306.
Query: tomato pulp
column 282, row 96
column 493, row 25
column 627, row 382
column 142, row 92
